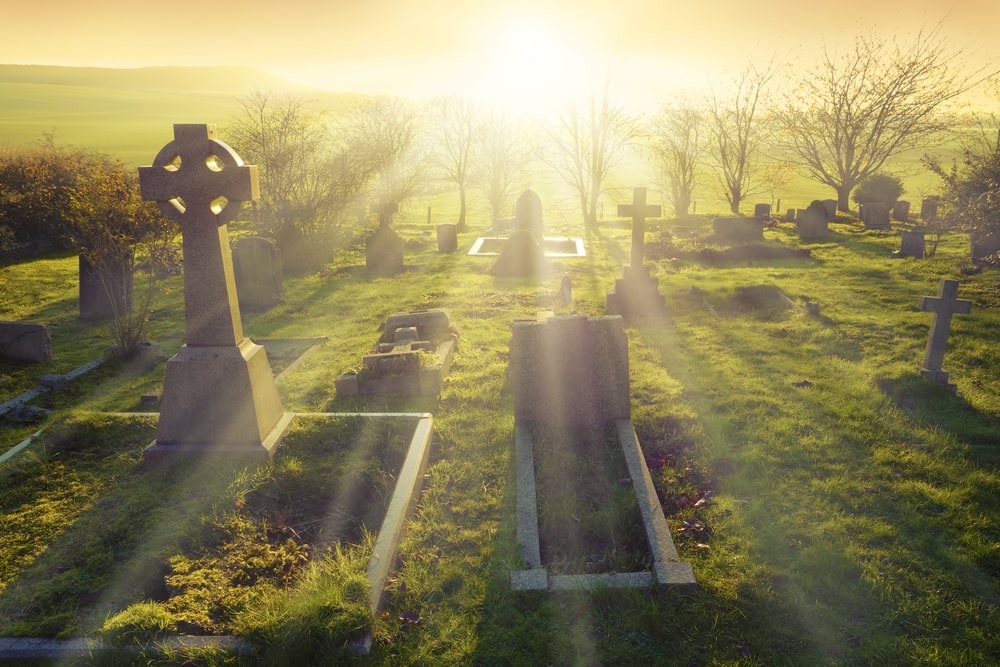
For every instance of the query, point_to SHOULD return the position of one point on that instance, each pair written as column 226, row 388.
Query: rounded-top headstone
column 528, row 212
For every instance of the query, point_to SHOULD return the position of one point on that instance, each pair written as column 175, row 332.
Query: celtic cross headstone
column 218, row 392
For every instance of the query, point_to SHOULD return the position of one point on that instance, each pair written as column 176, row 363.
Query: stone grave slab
column 571, row 373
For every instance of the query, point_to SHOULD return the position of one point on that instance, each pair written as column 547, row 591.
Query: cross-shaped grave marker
column 944, row 305
column 638, row 210
column 218, row 391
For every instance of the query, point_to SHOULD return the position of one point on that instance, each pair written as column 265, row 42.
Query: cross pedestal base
column 636, row 294
column 218, row 399
column 941, row 377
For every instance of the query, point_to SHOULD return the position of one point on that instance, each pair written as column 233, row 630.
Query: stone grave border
column 667, row 566
column 476, row 250
column 409, row 484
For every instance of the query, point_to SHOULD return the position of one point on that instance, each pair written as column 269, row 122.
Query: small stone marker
column 901, row 211
column 928, row 209
column 566, row 289
column 218, row 392
column 911, row 244
column 944, row 305
column 528, row 214
column 762, row 211
column 877, row 216
column 257, row 271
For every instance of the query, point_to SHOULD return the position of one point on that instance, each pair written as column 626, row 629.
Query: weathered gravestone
column 831, row 208
column 911, row 244
column 790, row 215
column 257, row 272
column 877, row 216
column 218, row 393
column 637, row 293
column 25, row 341
column 944, row 305
column 522, row 255
column 447, row 237
column 901, row 211
column 108, row 295
column 571, row 374
column 762, row 211
column 813, row 223
column 384, row 248
column 929, row 208
column 984, row 246
column 411, row 358
column 738, row 230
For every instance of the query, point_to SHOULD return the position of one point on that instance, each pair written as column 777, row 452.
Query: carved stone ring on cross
column 196, row 178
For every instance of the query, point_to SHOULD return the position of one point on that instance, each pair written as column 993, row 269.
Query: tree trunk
column 844, row 198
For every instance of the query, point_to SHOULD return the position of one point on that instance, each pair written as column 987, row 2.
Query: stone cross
column 200, row 182
column 638, row 210
column 944, row 305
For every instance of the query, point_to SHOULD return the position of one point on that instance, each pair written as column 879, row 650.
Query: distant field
column 130, row 113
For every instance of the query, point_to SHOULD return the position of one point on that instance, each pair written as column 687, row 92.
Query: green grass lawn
column 836, row 507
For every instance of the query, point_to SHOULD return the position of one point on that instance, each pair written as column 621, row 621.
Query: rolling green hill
column 129, row 113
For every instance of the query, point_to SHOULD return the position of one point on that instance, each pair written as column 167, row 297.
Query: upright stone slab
column 944, row 305
column 522, row 256
column 812, row 223
column 831, row 208
column 570, row 371
column 637, row 293
column 929, row 208
column 257, row 271
column 762, row 211
column 102, row 297
column 877, row 216
column 218, row 393
column 901, row 211
column 447, row 237
column 983, row 245
column 911, row 244
column 528, row 214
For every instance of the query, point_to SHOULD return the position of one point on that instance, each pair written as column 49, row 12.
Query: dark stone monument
column 911, row 244
column 813, row 223
column 218, row 393
column 522, row 256
column 637, row 293
column 901, row 211
column 831, row 208
column 929, row 208
column 944, row 305
column 762, row 211
column 877, row 216
column 447, row 237
column 257, row 272
column 25, row 341
column 790, row 215
column 984, row 245
column 100, row 301
column 528, row 214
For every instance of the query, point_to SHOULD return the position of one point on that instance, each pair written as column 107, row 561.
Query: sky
column 531, row 51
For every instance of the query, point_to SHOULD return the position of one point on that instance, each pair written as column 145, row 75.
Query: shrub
column 139, row 623
column 878, row 188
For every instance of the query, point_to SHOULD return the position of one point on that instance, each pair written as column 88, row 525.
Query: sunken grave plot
column 209, row 544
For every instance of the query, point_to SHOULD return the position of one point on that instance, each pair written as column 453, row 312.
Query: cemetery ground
column 837, row 508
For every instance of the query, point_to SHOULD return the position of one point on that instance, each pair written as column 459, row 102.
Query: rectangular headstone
column 101, row 296
column 901, row 211
column 877, row 217
column 257, row 272
column 762, row 211
column 447, row 237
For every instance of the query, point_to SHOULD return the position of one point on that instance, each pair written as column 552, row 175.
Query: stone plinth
column 637, row 294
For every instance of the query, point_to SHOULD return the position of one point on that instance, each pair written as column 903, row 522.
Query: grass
column 836, row 507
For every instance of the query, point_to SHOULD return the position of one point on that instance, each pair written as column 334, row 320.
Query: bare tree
column 456, row 125
column 585, row 143
column 503, row 155
column 856, row 111
column 737, row 122
column 677, row 147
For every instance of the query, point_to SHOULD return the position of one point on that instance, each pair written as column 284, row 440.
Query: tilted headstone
column 901, row 211
column 218, row 392
column 528, row 214
column 25, row 341
column 257, row 271
column 944, row 305
column 447, row 237
column 104, row 297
